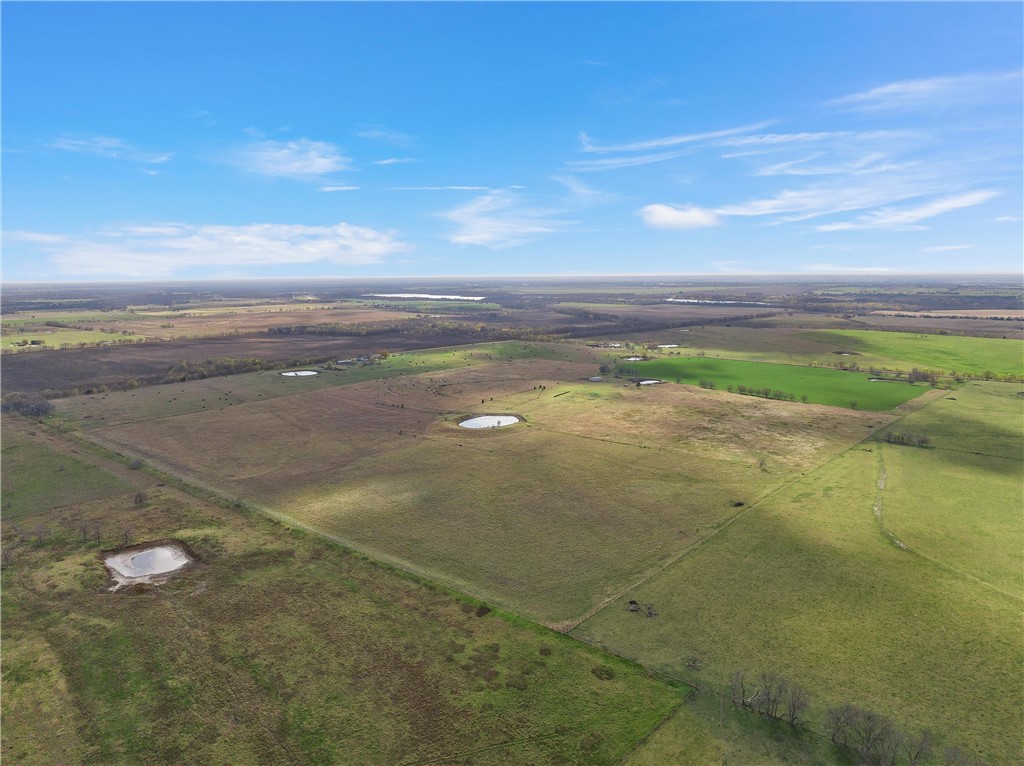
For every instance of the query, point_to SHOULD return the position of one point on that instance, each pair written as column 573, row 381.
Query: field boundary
column 905, row 409
column 889, row 535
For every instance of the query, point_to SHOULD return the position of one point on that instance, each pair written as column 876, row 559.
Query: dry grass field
column 600, row 486
column 85, row 368
column 199, row 322
column 277, row 647
column 669, row 312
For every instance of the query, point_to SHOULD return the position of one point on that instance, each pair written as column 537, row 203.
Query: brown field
column 968, row 313
column 670, row 312
column 251, row 319
column 148, row 362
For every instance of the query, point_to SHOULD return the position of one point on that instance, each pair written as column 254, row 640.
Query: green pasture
column 57, row 337
column 277, row 647
column 959, row 502
column 809, row 586
column 940, row 353
column 36, row 477
column 820, row 385
column 14, row 321
column 709, row 731
column 810, row 341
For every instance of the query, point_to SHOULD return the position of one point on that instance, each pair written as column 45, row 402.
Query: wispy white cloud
column 944, row 248
column 581, row 192
column 107, row 146
column 835, row 268
column 672, row 217
column 933, row 93
column 773, row 139
column 908, row 218
column 387, row 136
column 868, row 163
column 337, row 188
column 1007, row 218
column 826, row 199
column 731, row 267
column 498, row 220
column 441, row 188
column 167, row 249
column 628, row 161
column 661, row 143
column 301, row 158
column 394, row 161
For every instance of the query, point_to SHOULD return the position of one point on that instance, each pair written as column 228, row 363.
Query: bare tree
column 39, row 530
column 867, row 729
column 954, row 756
column 919, row 748
column 796, row 705
column 888, row 746
column 838, row 721
column 767, row 700
column 738, row 688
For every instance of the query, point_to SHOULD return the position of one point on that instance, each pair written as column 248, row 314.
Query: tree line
column 861, row 735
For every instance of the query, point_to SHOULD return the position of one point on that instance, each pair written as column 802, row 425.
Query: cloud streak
column 933, row 93
column 441, row 188
column 660, row 143
column 108, row 146
column 166, row 249
column 301, row 158
column 908, row 218
column 498, row 220
column 387, row 136
column 944, row 248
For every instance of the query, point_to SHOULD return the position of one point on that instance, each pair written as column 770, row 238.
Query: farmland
column 806, row 585
column 225, row 661
column 376, row 584
column 365, row 463
column 973, row 356
column 821, row 386
column 797, row 340
column 189, row 322
column 93, row 368
column 49, row 339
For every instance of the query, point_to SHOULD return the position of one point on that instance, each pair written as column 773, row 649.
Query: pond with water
column 146, row 564
column 490, row 421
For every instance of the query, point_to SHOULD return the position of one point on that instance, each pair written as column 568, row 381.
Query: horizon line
column 574, row 275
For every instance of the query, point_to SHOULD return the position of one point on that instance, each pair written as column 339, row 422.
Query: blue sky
column 202, row 140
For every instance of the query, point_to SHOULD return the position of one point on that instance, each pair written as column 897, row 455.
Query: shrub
column 32, row 405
